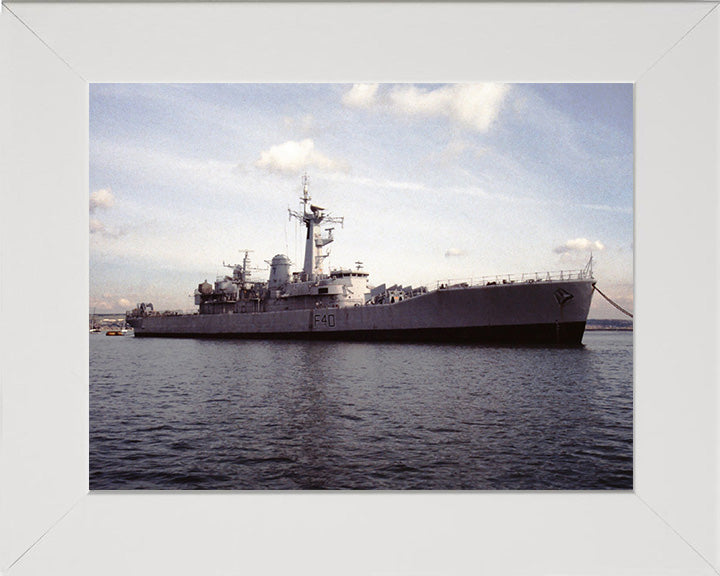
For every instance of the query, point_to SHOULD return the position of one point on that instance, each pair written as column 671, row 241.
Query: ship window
column 322, row 290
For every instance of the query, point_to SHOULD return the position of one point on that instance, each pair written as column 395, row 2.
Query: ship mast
column 314, row 241
column 242, row 273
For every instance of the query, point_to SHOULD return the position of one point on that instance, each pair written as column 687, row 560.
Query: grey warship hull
column 531, row 312
column 549, row 308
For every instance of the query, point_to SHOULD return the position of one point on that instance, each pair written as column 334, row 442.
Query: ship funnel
column 279, row 272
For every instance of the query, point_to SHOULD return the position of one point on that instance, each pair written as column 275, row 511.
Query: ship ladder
column 611, row 302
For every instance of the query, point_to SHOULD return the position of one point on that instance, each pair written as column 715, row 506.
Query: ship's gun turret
column 225, row 288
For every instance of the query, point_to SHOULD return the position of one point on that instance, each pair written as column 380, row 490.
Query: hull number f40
column 327, row 320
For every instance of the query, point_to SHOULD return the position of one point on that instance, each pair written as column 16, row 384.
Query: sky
column 435, row 182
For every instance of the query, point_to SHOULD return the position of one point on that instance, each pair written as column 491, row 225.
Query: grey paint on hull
column 522, row 312
column 567, row 334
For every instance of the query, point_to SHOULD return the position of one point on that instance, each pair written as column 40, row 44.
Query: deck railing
column 525, row 277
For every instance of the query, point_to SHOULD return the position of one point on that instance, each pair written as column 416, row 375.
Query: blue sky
column 435, row 182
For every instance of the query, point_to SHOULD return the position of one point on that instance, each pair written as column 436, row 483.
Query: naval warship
column 537, row 308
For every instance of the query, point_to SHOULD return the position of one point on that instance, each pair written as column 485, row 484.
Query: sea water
column 232, row 415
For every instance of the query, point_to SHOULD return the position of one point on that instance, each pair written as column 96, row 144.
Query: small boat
column 94, row 325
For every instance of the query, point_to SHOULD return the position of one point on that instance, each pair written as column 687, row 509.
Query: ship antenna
column 306, row 191
column 313, row 220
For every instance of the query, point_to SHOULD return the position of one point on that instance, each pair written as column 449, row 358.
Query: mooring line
column 611, row 302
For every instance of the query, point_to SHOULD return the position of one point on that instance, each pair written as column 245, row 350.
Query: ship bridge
column 348, row 273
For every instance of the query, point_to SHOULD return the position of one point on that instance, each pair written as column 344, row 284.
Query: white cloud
column 96, row 226
column 453, row 252
column 293, row 157
column 303, row 123
column 377, row 184
column 99, row 228
column 361, row 96
column 606, row 208
column 100, row 305
column 188, row 175
column 472, row 106
column 579, row 245
column 102, row 198
column 109, row 303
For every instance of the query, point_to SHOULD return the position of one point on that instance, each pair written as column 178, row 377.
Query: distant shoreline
column 614, row 325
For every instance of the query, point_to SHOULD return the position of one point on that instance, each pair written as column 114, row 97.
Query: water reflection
column 215, row 414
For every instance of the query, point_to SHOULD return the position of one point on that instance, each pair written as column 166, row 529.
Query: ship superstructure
column 284, row 289
column 536, row 308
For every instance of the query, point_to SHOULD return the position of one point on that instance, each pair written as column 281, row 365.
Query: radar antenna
column 243, row 272
column 306, row 190
column 314, row 219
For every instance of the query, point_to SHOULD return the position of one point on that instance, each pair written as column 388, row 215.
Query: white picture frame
column 49, row 523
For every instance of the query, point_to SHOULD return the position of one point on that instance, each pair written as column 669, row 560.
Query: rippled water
column 189, row 414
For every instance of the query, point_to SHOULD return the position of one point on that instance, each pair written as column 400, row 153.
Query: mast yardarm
column 314, row 217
